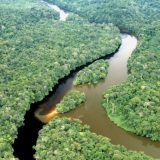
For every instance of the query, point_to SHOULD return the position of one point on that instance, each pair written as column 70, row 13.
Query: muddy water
column 92, row 112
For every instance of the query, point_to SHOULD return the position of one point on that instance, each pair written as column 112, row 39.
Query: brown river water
column 92, row 113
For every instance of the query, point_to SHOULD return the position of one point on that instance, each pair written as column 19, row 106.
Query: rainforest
column 79, row 80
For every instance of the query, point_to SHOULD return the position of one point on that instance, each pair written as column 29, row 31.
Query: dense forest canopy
column 37, row 50
column 92, row 73
column 74, row 141
column 130, row 15
column 72, row 100
column 141, row 18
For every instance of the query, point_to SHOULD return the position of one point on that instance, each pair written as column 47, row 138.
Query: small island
column 70, row 101
column 93, row 73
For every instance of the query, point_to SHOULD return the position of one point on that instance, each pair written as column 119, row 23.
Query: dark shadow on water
column 28, row 133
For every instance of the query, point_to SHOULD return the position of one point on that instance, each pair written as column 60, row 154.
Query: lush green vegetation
column 63, row 138
column 36, row 51
column 72, row 100
column 93, row 73
column 133, row 105
column 137, row 110
column 129, row 15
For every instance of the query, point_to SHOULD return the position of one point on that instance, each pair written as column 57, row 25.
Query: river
column 91, row 112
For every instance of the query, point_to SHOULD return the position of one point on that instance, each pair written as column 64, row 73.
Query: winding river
column 91, row 112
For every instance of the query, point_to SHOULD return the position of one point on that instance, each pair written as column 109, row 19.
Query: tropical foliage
column 63, row 138
column 72, row 100
column 93, row 73
column 137, row 111
column 133, row 105
column 36, row 51
column 128, row 15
